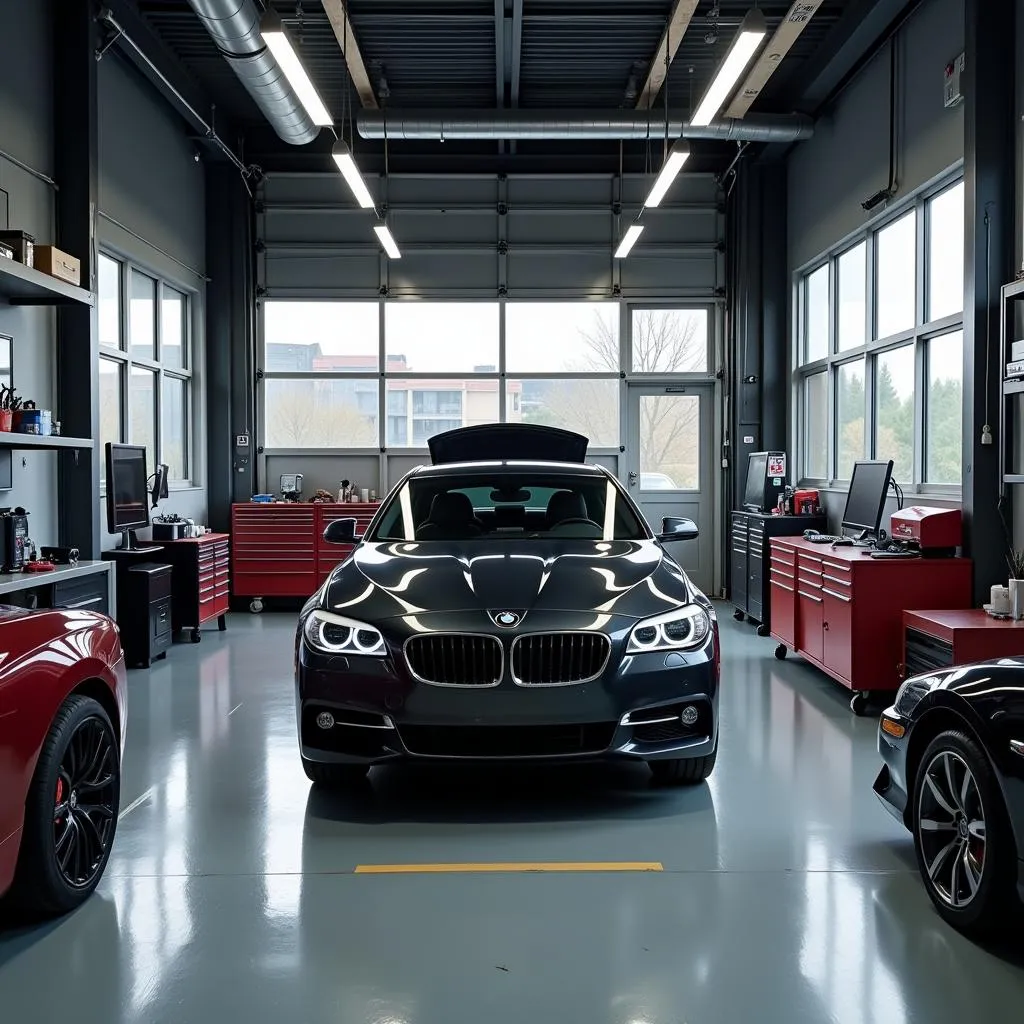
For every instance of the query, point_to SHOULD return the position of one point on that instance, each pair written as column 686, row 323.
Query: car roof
column 588, row 469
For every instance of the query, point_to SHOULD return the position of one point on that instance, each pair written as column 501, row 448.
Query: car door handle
column 1017, row 746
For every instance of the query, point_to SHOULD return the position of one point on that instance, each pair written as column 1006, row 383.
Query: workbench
column 88, row 585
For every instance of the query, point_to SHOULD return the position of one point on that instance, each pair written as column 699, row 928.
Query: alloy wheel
column 83, row 812
column 951, row 829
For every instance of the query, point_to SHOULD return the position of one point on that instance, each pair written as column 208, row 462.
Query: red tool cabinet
column 843, row 611
column 277, row 549
column 200, row 581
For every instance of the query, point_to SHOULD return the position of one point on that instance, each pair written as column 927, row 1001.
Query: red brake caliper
column 60, row 794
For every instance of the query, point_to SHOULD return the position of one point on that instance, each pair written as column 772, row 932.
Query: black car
column 953, row 747
column 512, row 608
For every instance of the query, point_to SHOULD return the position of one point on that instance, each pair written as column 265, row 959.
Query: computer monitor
column 159, row 488
column 127, row 508
column 865, row 501
column 766, row 473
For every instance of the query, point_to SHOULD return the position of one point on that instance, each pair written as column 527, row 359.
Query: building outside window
column 145, row 367
column 880, row 348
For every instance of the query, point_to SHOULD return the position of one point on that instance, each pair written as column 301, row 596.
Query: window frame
column 918, row 336
column 121, row 355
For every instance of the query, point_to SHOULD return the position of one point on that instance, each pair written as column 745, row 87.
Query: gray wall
column 153, row 211
column 26, row 104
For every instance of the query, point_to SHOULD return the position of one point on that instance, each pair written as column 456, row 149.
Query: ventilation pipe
column 574, row 124
column 234, row 26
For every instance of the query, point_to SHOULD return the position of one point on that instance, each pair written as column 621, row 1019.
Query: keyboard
column 895, row 554
column 823, row 538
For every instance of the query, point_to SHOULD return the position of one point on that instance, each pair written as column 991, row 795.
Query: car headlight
column 679, row 630
column 334, row 634
column 911, row 693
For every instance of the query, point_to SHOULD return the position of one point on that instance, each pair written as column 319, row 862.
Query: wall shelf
column 12, row 440
column 1013, row 387
column 26, row 286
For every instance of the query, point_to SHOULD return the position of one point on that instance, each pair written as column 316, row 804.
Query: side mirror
column 674, row 528
column 341, row 531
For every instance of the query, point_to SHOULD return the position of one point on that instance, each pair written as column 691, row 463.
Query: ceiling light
column 633, row 232
column 677, row 156
column 752, row 31
column 387, row 241
column 280, row 45
column 347, row 165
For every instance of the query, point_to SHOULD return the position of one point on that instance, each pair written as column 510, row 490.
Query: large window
column 145, row 365
column 880, row 348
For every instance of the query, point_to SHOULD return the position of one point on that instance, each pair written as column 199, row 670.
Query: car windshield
column 479, row 504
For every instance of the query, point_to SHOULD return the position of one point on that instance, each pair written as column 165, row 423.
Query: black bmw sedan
column 504, row 605
column 953, row 773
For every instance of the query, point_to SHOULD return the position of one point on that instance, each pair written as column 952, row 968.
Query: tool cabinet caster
column 195, row 636
column 738, row 615
column 859, row 704
column 763, row 630
column 780, row 651
column 256, row 605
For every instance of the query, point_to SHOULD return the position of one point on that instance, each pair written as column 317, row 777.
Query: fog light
column 325, row 720
column 689, row 715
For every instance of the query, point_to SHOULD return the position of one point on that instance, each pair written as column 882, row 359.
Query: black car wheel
column 71, row 810
column 962, row 836
column 334, row 776
column 683, row 771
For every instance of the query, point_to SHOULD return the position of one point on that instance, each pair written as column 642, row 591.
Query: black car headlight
column 679, row 630
column 911, row 693
column 334, row 634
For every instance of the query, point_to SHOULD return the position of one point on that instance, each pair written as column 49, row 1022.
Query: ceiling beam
column 517, row 48
column 499, row 52
column 337, row 14
column 677, row 25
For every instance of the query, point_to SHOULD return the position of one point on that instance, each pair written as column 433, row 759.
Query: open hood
column 501, row 442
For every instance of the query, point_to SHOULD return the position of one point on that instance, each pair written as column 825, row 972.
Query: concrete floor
column 787, row 893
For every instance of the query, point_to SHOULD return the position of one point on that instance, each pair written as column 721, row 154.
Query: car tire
column 42, row 883
column 987, row 910
column 334, row 776
column 683, row 771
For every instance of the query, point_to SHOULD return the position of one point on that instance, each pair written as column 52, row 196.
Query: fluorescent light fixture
column 387, row 241
column 752, row 31
column 677, row 156
column 347, row 165
column 280, row 45
column 633, row 232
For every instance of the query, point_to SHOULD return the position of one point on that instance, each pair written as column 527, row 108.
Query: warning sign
column 776, row 465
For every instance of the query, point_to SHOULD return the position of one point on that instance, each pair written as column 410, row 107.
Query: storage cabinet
column 941, row 638
column 201, row 572
column 783, row 593
column 750, row 575
column 144, row 611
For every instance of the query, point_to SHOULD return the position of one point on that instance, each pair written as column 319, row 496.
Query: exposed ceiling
column 587, row 54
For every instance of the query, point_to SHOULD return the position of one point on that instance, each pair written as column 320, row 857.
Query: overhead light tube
column 347, row 165
column 751, row 33
column 633, row 232
column 280, row 45
column 677, row 156
column 387, row 241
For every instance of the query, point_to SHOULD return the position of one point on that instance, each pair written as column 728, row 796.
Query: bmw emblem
column 507, row 619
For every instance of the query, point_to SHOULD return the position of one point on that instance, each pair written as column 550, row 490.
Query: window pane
column 669, row 340
column 588, row 406
column 816, row 328
column 110, row 406
column 852, row 286
column 441, row 337
column 172, row 329
column 894, row 411
column 946, row 253
column 816, row 426
column 174, row 432
column 333, row 336
column 549, row 337
column 418, row 409
column 109, row 274
column 849, row 417
column 142, row 406
column 142, row 319
column 943, row 430
column 896, row 276
column 670, row 441
column 321, row 413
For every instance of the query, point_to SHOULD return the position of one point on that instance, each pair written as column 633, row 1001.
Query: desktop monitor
column 865, row 501
column 127, row 508
column 766, row 477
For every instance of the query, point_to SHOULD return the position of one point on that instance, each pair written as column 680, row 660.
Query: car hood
column 633, row 579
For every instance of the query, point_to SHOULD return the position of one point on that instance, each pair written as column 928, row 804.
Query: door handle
column 1017, row 746
column 633, row 477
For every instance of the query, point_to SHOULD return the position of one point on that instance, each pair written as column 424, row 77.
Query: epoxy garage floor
column 787, row 894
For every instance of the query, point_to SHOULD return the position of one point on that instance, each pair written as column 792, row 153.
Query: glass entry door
column 669, row 466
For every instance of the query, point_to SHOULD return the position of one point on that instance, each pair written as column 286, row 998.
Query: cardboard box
column 51, row 260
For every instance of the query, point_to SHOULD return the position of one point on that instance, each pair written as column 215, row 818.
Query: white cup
column 364, row 494
column 1000, row 600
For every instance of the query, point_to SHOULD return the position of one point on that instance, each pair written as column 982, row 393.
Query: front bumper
column 383, row 714
column 891, row 785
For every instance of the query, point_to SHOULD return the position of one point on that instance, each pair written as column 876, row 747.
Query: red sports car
column 62, row 715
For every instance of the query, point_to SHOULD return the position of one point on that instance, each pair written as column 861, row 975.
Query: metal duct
column 574, row 124
column 234, row 25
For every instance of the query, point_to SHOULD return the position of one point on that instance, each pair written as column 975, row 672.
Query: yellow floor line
column 513, row 866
